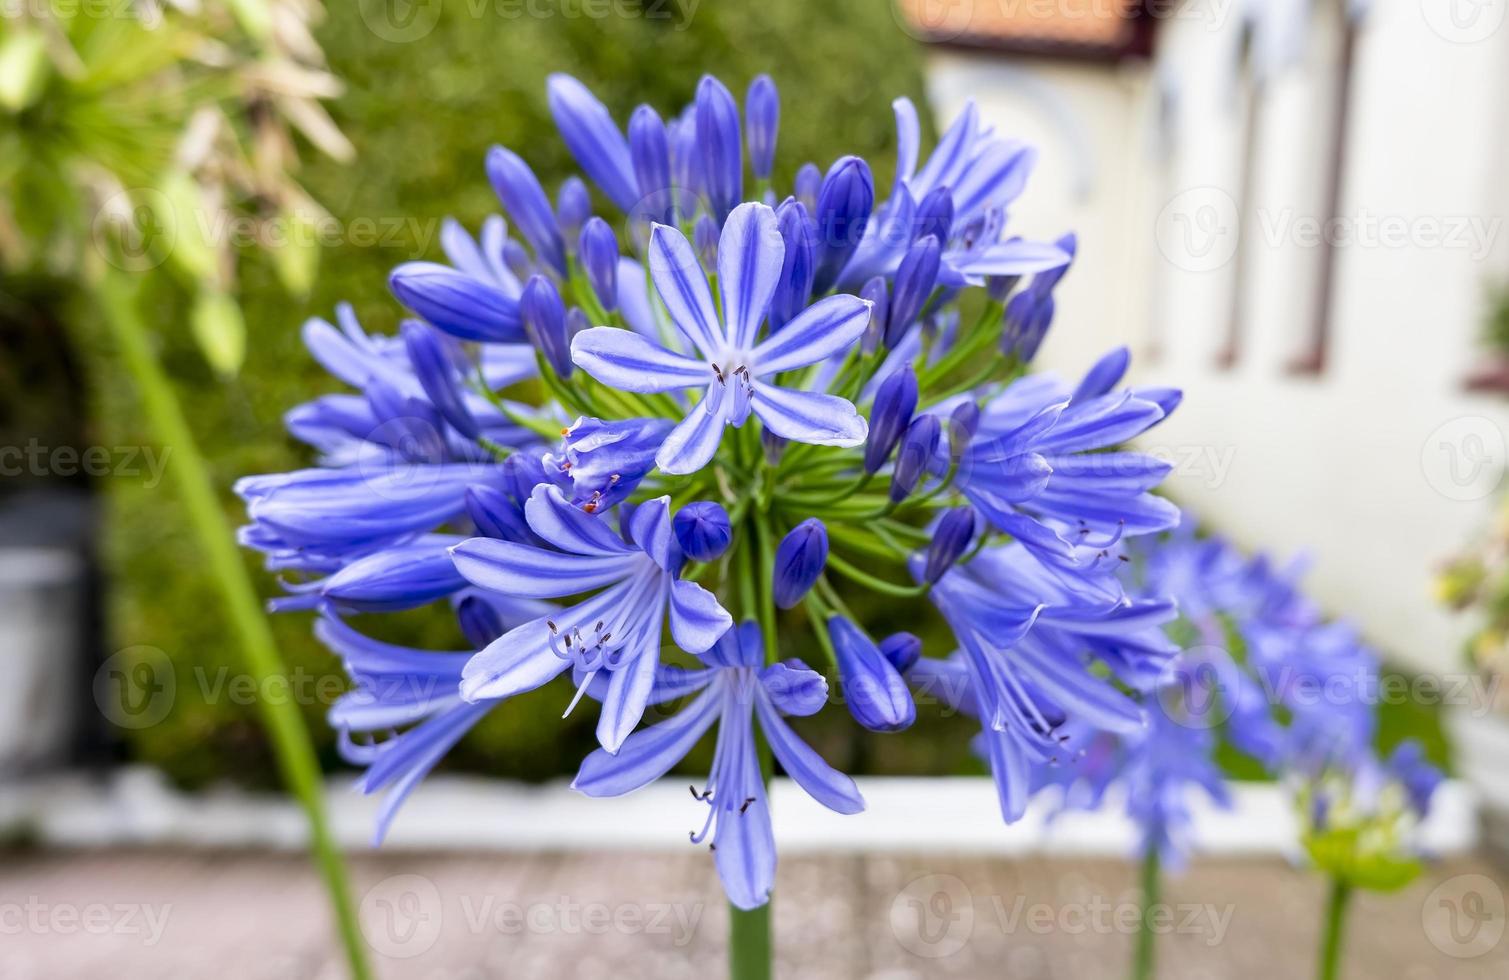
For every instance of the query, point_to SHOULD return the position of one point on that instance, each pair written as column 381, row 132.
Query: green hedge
column 422, row 114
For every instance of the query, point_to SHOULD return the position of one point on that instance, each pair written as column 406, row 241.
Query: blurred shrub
column 422, row 113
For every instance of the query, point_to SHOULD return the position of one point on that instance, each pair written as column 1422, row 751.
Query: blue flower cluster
column 1262, row 668
column 621, row 448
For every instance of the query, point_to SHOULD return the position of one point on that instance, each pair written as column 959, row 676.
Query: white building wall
column 1382, row 465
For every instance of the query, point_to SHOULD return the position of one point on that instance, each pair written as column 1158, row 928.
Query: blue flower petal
column 697, row 619
column 750, row 254
column 553, row 518
column 821, row 781
column 649, row 753
column 821, row 330
column 693, row 443
column 678, row 278
column 522, row 570
column 810, row 417
column 625, row 360
column 629, row 687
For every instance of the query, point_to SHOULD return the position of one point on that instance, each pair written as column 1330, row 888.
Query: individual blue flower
column 895, row 401
column 915, row 278
column 606, row 461
column 393, row 579
column 919, row 444
column 799, row 562
column 703, row 530
column 545, row 321
column 573, row 206
column 720, row 146
column 650, row 150
column 873, row 689
column 1027, row 642
column 951, row 538
column 734, row 689
column 844, row 204
column 1029, row 313
column 1034, row 468
column 732, row 359
column 435, row 362
column 599, row 254
column 793, row 289
column 594, row 140
column 525, row 201
column 762, row 117
column 463, row 306
column 635, row 580
column 808, row 181
column 405, row 713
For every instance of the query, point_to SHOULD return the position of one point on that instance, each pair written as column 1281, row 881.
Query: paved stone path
column 168, row 915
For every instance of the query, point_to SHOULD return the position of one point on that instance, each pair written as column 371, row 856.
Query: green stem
column 1336, row 915
column 749, row 943
column 290, row 739
column 1142, row 963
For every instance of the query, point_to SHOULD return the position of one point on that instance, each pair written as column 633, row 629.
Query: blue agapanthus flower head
column 600, row 438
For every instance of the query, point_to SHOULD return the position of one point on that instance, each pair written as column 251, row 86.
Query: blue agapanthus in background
column 647, row 437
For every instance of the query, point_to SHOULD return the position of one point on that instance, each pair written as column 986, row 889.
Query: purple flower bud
column 433, row 357
column 522, row 472
column 843, row 211
column 903, row 650
column 809, row 181
column 880, row 309
column 873, row 690
column 1029, row 314
column 651, row 152
column 915, row 279
column 599, row 255
column 408, row 425
column 772, row 446
column 917, row 449
column 480, row 622
column 935, row 215
column 794, row 288
column 456, row 303
column 496, row 515
column 545, row 321
column 703, row 530
column 525, row 201
column 1000, row 287
column 1103, row 375
column 951, row 539
column 394, row 579
column 686, row 160
column 573, row 206
column 589, row 132
column 705, row 236
column 895, row 401
column 799, row 561
column 719, row 146
column 576, row 322
column 762, row 117
column 962, row 426
column 516, row 257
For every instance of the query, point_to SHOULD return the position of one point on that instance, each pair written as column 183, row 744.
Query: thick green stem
column 1142, row 962
column 749, row 943
column 1336, row 916
column 290, row 739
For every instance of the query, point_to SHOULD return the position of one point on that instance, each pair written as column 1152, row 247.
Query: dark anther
column 553, row 627
column 745, row 805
